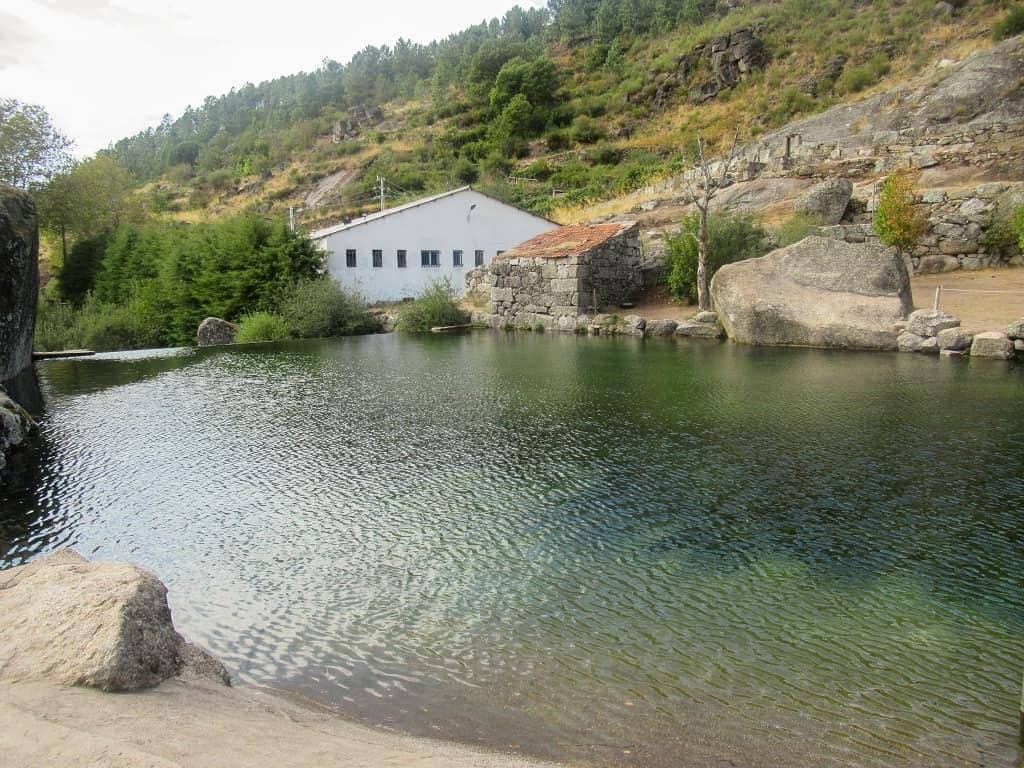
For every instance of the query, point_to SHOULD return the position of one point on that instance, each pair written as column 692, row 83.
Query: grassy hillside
column 576, row 105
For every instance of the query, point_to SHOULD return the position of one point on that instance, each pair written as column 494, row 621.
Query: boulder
column 826, row 202
column 634, row 325
column 661, row 327
column 708, row 318
column 1018, row 345
column 1015, row 330
column 104, row 625
column 993, row 344
column 818, row 293
column 214, row 332
column 19, row 280
column 933, row 265
column 929, row 322
column 15, row 426
column 909, row 342
column 956, row 339
column 695, row 330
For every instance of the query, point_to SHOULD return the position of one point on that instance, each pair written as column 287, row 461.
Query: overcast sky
column 106, row 69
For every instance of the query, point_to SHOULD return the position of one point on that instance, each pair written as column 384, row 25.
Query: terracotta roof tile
column 568, row 241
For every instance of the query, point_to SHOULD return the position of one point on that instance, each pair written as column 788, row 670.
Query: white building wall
column 444, row 225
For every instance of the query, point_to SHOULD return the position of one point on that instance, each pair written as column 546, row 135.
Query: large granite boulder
column 19, row 280
column 816, row 293
column 214, row 332
column 931, row 322
column 826, row 202
column 104, row 625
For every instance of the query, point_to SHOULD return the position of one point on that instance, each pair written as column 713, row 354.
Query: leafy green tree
column 536, row 80
column 608, row 21
column 898, row 221
column 32, row 150
column 730, row 239
column 516, row 119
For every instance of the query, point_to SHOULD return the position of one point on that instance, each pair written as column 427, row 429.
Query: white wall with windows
column 393, row 255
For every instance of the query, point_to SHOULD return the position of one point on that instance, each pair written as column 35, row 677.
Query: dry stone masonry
column 559, row 277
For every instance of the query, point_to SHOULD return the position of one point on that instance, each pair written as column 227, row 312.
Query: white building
column 394, row 254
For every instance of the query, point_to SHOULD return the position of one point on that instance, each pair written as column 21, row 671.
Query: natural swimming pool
column 624, row 552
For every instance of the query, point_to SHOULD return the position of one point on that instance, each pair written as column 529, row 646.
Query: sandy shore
column 200, row 724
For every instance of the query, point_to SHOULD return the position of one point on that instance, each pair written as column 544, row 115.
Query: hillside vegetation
column 548, row 108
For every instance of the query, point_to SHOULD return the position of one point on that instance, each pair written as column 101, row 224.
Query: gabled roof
column 322, row 233
column 568, row 241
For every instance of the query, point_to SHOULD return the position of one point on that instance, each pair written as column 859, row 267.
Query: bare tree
column 701, row 194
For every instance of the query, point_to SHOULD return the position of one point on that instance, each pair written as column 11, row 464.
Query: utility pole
column 381, row 180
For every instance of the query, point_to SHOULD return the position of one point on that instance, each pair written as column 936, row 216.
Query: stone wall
column 958, row 222
column 529, row 291
column 19, row 280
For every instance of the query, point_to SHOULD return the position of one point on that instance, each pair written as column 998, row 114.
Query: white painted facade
column 461, row 220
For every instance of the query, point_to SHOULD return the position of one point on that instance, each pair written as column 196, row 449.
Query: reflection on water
column 630, row 553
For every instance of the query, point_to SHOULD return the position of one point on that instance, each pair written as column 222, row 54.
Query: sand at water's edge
column 202, row 725
column 977, row 311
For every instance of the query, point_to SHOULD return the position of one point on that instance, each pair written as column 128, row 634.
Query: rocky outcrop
column 929, row 322
column 816, row 293
column 19, row 280
column 826, row 202
column 703, row 325
column 214, row 332
column 104, row 625
column 15, row 426
column 993, row 345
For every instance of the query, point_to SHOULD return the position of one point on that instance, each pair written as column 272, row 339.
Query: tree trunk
column 703, row 299
column 63, row 243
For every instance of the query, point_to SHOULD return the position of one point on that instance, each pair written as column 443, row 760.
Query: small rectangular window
column 378, row 258
column 425, row 258
column 478, row 258
column 401, row 260
column 350, row 257
column 500, row 252
column 456, row 258
column 435, row 258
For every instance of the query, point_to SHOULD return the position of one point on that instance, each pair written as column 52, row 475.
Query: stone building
column 560, row 275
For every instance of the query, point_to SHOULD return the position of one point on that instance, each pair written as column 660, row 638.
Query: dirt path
column 977, row 311
column 201, row 725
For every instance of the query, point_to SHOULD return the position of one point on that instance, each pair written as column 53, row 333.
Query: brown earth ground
column 202, row 725
column 977, row 311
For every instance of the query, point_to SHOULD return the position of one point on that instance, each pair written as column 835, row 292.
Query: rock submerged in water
column 816, row 293
column 15, row 426
column 104, row 625
column 214, row 332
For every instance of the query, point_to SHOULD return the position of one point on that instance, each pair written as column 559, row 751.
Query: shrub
column 1018, row 224
column 466, row 171
column 1001, row 237
column 859, row 78
column 557, row 141
column 585, row 130
column 730, row 238
column 1010, row 25
column 435, row 306
column 319, row 308
column 795, row 229
column 605, row 154
column 897, row 221
column 55, row 326
column 261, row 326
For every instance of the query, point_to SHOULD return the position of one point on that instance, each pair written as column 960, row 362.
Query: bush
column 730, row 239
column 1010, row 25
column 1001, row 237
column 466, row 171
column 795, row 229
column 313, row 309
column 96, row 325
column 897, row 221
column 586, row 130
column 557, row 141
column 261, row 326
column 435, row 306
column 1018, row 224
column 859, row 78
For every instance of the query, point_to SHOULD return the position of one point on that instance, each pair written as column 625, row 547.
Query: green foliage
column 320, row 308
column 76, row 277
column 1001, row 237
column 1010, row 25
column 795, row 229
column 95, row 325
column 858, row 78
column 261, row 326
column 466, row 172
column 31, row 148
column 730, row 239
column 1017, row 220
column 516, row 119
column 435, row 306
column 898, row 222
column 536, row 80
column 586, row 130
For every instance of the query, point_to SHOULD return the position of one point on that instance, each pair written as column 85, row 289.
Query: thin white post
column 291, row 218
column 381, row 180
column 938, row 297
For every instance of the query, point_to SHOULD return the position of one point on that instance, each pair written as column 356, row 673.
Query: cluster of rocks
column 103, row 625
column 723, row 60
column 929, row 331
column 704, row 325
column 565, row 273
column 958, row 224
column 15, row 426
column 359, row 118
